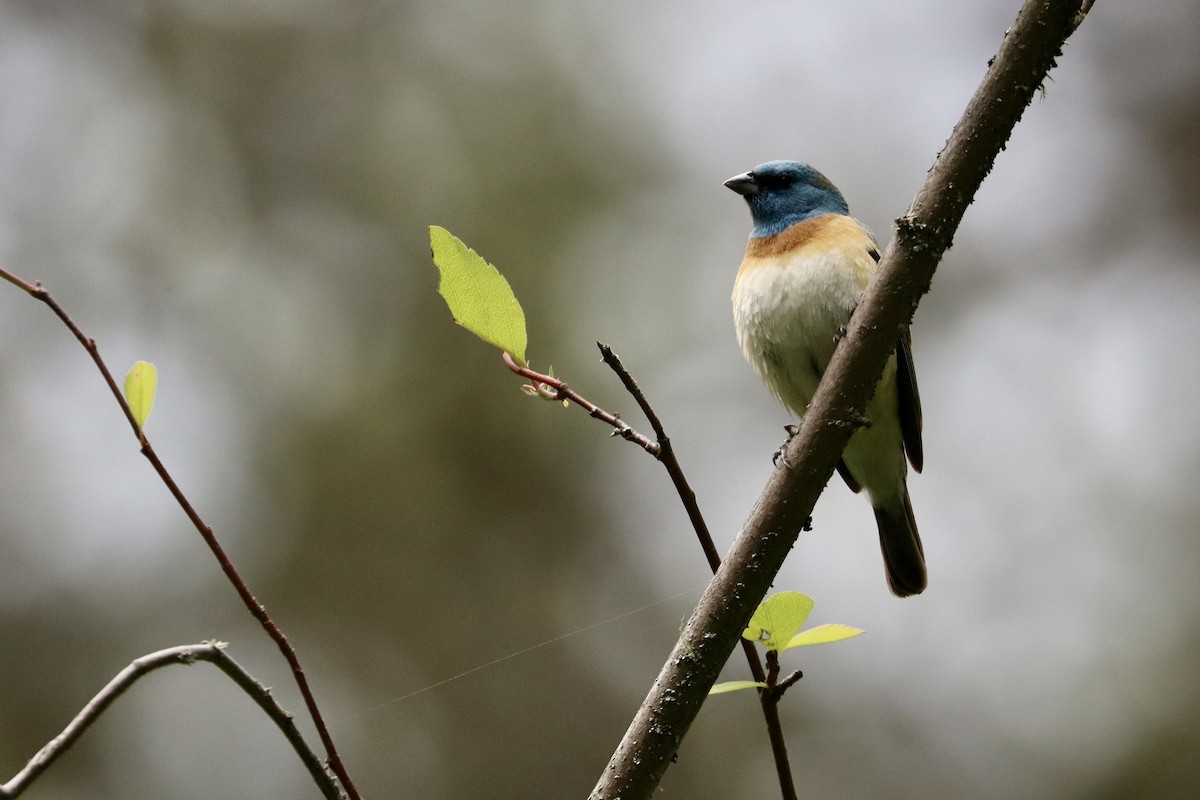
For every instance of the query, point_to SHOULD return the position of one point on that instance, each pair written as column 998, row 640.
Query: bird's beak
column 743, row 184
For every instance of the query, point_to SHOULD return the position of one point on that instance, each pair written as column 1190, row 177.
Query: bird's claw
column 781, row 453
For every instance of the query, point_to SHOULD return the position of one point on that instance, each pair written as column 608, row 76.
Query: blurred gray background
column 239, row 192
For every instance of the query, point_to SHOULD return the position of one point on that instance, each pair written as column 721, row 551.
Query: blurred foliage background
column 238, row 191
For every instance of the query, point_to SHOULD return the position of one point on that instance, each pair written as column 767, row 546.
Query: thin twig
column 614, row 362
column 787, row 683
column 553, row 388
column 212, row 652
column 692, row 506
column 770, row 697
column 259, row 612
column 666, row 454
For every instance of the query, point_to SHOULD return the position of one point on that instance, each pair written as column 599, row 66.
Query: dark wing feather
column 910, row 402
column 844, row 471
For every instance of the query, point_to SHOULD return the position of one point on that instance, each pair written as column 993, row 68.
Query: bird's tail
column 903, row 555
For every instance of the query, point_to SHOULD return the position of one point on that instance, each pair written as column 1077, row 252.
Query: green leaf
column 778, row 618
column 733, row 686
column 478, row 295
column 140, row 383
column 822, row 634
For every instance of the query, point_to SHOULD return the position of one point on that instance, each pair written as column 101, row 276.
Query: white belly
column 788, row 318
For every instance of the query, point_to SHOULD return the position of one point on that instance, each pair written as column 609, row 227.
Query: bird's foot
column 781, row 453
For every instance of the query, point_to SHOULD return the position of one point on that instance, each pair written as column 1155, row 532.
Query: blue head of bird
column 781, row 193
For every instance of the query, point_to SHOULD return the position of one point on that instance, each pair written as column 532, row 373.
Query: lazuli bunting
column 806, row 265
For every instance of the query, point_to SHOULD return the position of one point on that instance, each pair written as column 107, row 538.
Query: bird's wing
column 910, row 402
column 909, row 397
column 844, row 471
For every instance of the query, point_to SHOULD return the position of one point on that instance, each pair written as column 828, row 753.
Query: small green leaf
column 733, row 686
column 822, row 634
column 140, row 383
column 478, row 295
column 778, row 618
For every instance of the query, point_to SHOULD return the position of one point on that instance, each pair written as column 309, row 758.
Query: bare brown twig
column 553, row 388
column 38, row 292
column 666, row 455
column 212, row 652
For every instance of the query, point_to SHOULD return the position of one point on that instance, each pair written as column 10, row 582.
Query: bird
column 806, row 265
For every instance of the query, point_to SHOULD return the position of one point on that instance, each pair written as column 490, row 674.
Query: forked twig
column 553, row 388
column 212, row 652
column 259, row 612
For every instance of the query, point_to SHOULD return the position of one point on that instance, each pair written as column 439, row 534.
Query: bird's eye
column 775, row 181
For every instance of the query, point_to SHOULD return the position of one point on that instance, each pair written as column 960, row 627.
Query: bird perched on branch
column 806, row 266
